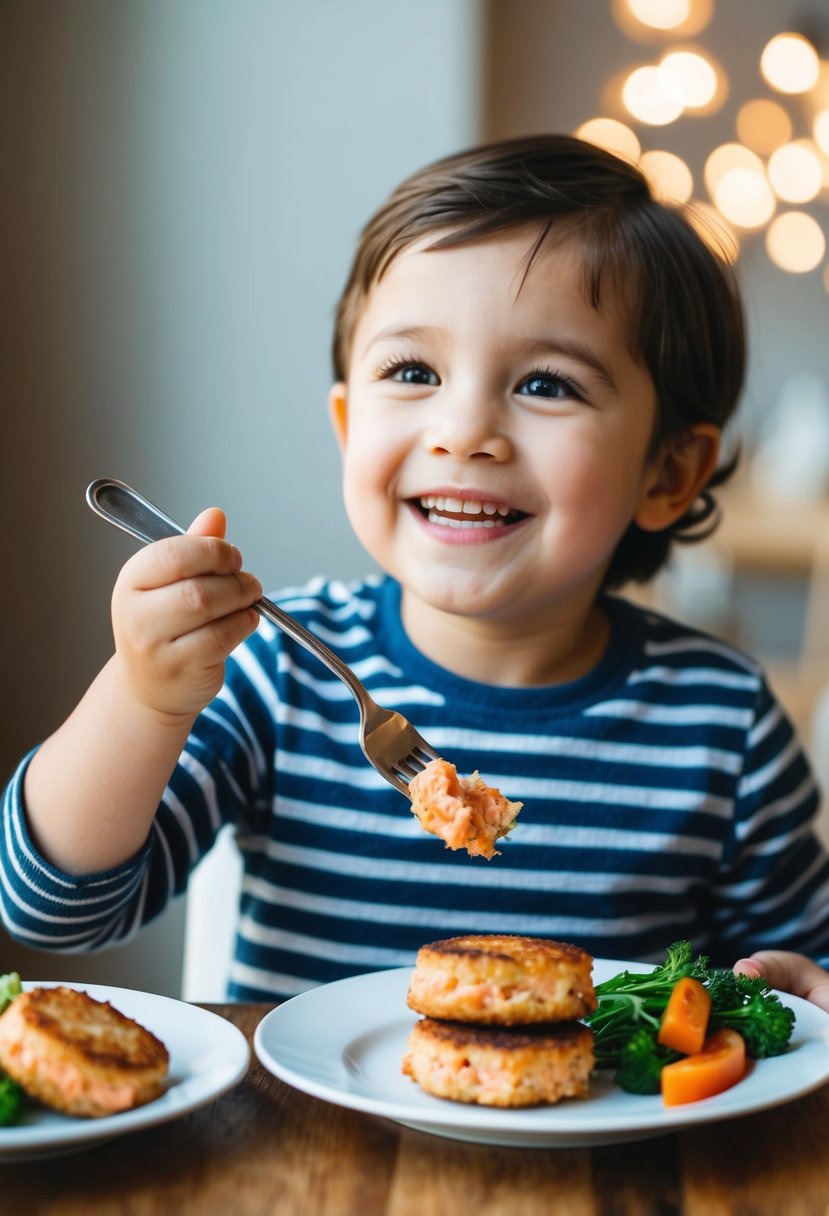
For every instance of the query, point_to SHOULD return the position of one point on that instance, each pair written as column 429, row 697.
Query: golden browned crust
column 79, row 1055
column 504, row 1068
column 503, row 980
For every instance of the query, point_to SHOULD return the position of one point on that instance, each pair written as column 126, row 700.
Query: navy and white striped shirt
column 665, row 796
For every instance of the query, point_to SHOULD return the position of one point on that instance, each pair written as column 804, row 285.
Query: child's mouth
column 467, row 513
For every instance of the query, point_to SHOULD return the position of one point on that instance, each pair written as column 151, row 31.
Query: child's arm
column 789, row 972
column 179, row 608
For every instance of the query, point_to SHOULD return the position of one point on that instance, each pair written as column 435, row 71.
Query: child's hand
column 788, row 972
column 179, row 608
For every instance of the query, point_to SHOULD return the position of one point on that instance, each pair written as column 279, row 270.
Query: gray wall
column 183, row 184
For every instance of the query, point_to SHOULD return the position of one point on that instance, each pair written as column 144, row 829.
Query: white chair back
column 210, row 921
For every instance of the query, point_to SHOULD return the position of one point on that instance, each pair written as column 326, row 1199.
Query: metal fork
column 387, row 738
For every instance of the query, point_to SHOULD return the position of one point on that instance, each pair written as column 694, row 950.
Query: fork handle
column 121, row 505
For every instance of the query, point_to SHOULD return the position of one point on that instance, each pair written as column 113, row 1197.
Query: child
column 534, row 362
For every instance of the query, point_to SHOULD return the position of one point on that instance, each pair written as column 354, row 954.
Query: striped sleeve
column 49, row 910
column 222, row 777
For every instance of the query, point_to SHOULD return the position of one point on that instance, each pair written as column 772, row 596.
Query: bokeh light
column 795, row 242
column 790, row 64
column 658, row 20
column 821, row 131
column 652, row 97
column 725, row 157
column 776, row 163
column 693, row 75
column 819, row 96
column 660, row 14
column 671, row 179
column 745, row 197
column 795, row 172
column 763, row 125
column 612, row 135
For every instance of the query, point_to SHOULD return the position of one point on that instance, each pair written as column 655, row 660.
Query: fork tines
column 413, row 763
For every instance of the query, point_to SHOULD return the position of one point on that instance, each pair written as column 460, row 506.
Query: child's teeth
column 447, row 522
column 436, row 503
column 469, row 506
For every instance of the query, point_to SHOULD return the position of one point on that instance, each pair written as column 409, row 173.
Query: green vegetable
column 641, row 1061
column 10, row 987
column 11, row 1095
column 632, row 1000
column 630, row 1007
column 749, row 1006
column 11, row 1100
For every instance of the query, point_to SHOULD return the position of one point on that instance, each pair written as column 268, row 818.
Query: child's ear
column 681, row 469
column 338, row 411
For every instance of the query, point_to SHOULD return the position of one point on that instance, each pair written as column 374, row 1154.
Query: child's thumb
column 210, row 522
column 789, row 972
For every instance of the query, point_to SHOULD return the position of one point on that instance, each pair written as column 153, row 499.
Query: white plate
column 344, row 1042
column 208, row 1055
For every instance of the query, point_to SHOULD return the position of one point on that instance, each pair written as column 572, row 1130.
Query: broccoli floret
column 631, row 1000
column 724, row 989
column 11, row 1095
column 641, row 1061
column 630, row 1008
column 747, row 1004
column 680, row 962
column 11, row 1100
column 10, row 987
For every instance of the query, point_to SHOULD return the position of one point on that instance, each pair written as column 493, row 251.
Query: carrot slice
column 720, row 1064
column 685, row 1019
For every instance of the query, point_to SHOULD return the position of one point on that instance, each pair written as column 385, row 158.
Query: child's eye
column 549, row 385
column 407, row 371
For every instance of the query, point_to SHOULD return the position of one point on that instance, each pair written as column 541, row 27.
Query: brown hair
column 680, row 297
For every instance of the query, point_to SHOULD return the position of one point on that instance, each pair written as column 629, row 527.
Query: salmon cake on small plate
column 79, row 1055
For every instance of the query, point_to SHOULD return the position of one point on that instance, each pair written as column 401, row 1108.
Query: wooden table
column 263, row 1148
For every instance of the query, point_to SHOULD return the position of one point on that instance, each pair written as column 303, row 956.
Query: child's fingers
column 179, row 607
column 210, row 644
column 210, row 522
column 204, row 601
column 175, row 609
column 178, row 558
column 183, row 675
column 789, row 972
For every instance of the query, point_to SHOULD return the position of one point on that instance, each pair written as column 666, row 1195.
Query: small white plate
column 208, row 1055
column 344, row 1042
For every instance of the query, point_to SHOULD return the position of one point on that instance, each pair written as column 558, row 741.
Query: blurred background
column 183, row 183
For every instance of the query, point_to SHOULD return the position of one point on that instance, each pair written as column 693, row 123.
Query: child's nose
column 466, row 427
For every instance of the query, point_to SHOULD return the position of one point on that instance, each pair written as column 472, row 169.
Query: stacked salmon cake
column 500, row 1020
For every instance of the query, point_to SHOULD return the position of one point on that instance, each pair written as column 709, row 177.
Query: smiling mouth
column 466, row 512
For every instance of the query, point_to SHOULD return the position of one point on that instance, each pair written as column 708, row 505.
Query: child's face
column 495, row 441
